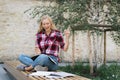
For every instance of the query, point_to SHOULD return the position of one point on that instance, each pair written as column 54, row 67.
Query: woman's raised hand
column 67, row 32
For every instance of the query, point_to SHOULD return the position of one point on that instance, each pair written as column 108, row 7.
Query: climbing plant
column 114, row 13
column 73, row 13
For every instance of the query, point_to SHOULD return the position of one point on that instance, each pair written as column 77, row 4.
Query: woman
column 48, row 41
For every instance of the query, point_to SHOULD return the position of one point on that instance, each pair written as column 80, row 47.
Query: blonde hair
column 53, row 27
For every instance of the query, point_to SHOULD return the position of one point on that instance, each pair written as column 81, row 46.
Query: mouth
column 47, row 28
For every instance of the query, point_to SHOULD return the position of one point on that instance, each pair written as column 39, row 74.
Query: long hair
column 53, row 27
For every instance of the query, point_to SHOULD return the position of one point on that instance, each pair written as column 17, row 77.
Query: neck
column 48, row 31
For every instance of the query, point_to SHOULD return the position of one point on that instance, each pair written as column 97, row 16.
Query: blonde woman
column 48, row 42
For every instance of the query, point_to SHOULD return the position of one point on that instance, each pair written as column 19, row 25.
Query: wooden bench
column 10, row 66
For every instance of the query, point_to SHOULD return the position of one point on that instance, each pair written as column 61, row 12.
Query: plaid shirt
column 49, row 44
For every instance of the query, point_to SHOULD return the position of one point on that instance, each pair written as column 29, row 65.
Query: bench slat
column 17, row 74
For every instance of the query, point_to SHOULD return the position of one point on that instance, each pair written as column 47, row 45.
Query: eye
column 43, row 24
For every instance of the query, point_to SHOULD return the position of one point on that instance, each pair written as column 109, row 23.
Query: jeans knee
column 43, row 57
column 20, row 57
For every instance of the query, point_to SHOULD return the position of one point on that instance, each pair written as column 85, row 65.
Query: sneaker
column 21, row 67
column 40, row 68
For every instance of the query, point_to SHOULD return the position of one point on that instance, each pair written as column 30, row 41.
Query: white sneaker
column 40, row 68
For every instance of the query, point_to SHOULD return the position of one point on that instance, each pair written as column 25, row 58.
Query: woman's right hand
column 37, row 50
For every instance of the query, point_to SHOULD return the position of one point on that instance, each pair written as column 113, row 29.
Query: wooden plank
column 105, row 48
column 10, row 66
column 81, row 26
column 73, row 49
column 17, row 74
column 90, row 52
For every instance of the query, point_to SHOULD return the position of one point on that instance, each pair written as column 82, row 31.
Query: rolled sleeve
column 61, row 40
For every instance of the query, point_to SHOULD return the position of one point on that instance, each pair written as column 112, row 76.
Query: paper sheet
column 51, row 74
column 40, row 73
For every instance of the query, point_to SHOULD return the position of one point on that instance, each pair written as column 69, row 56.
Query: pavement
column 3, row 74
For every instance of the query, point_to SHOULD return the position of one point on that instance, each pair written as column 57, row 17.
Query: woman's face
column 46, row 24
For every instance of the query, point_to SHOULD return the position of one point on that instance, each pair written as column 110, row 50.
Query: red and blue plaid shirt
column 49, row 44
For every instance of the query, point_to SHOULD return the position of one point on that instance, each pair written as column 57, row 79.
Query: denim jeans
column 42, row 60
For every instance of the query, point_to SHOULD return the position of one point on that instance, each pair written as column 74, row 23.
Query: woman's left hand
column 67, row 35
column 67, row 32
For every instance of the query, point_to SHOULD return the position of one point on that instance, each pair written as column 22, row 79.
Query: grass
column 104, row 72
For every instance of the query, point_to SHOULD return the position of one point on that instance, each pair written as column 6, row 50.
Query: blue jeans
column 42, row 60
